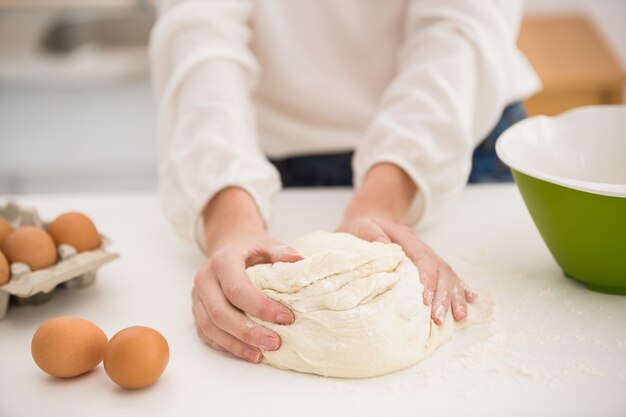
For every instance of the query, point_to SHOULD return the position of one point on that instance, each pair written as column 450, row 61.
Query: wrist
column 231, row 214
column 386, row 193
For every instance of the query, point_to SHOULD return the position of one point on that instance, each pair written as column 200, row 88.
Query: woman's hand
column 442, row 287
column 374, row 215
column 222, row 291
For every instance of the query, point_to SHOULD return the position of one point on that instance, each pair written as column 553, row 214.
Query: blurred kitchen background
column 77, row 114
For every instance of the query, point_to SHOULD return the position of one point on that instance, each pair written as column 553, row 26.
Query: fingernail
column 383, row 239
column 252, row 355
column 469, row 294
column 269, row 343
column 292, row 254
column 461, row 313
column 440, row 312
column 284, row 318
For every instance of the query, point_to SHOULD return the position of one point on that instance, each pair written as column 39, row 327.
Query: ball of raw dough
column 358, row 308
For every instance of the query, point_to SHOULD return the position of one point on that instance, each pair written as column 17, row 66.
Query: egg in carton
column 73, row 269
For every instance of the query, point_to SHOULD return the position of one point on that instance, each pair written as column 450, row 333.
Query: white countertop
column 552, row 348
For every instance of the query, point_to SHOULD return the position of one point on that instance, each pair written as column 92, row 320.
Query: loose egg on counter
column 136, row 357
column 5, row 273
column 5, row 229
column 68, row 346
column 32, row 246
column 75, row 229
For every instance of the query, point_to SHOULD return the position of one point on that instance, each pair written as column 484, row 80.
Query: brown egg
column 5, row 229
column 5, row 273
column 32, row 246
column 136, row 357
column 68, row 346
column 75, row 229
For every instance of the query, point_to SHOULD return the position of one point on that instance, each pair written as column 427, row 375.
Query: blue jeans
column 336, row 169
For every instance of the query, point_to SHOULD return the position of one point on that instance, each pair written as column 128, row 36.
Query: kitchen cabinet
column 574, row 62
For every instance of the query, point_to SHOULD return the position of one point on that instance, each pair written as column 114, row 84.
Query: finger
column 234, row 346
column 458, row 303
column 284, row 253
column 211, row 343
column 239, row 291
column 271, row 252
column 441, row 299
column 370, row 231
column 208, row 341
column 422, row 256
column 427, row 267
column 233, row 322
column 200, row 317
column 470, row 296
column 214, row 336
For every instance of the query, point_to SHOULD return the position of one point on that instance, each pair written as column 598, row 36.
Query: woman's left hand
column 443, row 289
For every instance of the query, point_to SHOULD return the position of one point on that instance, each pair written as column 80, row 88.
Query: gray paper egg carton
column 73, row 269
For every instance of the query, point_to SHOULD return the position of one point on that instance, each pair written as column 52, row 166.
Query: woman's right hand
column 222, row 291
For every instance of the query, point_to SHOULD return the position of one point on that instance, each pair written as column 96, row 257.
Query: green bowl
column 571, row 172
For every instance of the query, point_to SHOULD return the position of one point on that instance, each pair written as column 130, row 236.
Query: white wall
column 98, row 137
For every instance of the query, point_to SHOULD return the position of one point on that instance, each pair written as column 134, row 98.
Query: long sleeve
column 203, row 73
column 456, row 70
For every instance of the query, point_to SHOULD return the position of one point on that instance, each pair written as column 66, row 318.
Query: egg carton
column 73, row 269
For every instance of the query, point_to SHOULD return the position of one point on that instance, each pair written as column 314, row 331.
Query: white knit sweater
column 414, row 82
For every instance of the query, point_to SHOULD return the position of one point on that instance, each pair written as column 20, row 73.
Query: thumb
column 284, row 253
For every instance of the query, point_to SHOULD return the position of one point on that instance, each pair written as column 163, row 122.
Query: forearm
column 203, row 73
column 231, row 214
column 387, row 192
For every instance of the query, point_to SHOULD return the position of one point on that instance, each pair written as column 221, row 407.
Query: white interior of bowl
column 584, row 149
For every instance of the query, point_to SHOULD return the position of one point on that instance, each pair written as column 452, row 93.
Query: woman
column 255, row 92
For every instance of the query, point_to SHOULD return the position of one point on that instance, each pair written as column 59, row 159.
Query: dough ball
column 358, row 308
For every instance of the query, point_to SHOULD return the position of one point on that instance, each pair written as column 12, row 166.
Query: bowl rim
column 601, row 188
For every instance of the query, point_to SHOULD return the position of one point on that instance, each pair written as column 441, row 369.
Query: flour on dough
column 358, row 308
